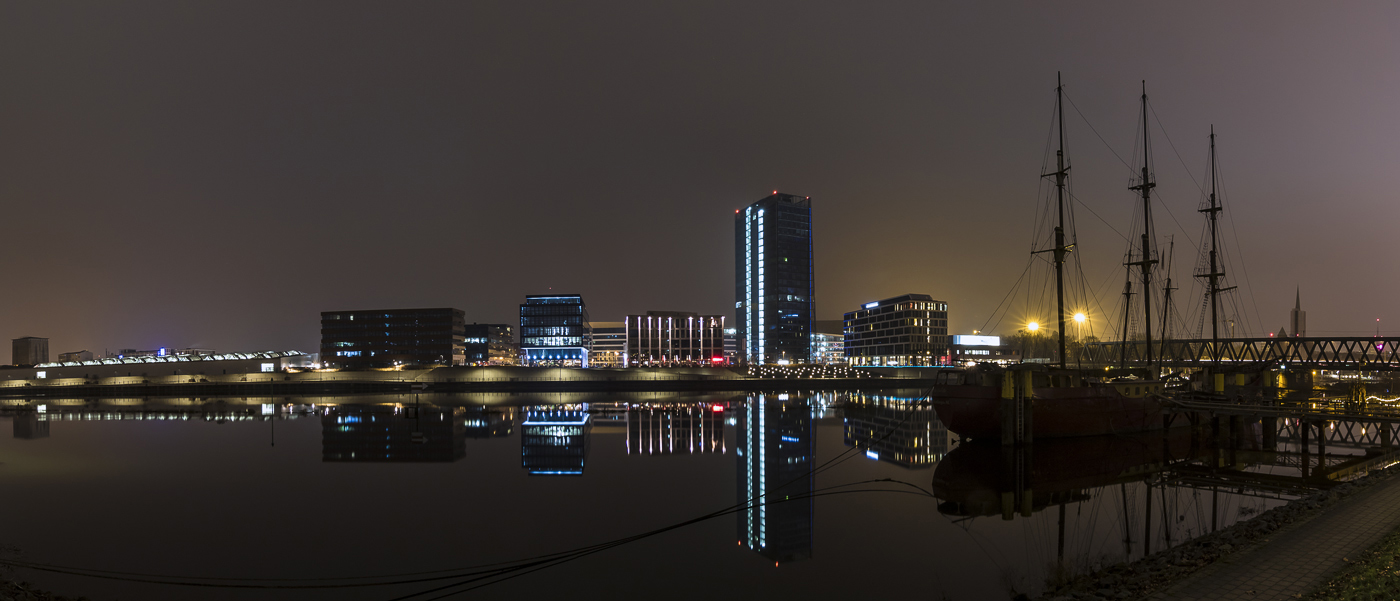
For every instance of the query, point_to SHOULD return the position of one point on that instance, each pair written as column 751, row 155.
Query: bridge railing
column 1357, row 353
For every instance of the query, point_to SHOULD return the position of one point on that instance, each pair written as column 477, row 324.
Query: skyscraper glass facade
column 774, row 295
column 554, row 330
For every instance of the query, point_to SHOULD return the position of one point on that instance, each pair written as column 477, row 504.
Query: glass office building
column 390, row 337
column 900, row 331
column 491, row 344
column 554, row 331
column 774, row 296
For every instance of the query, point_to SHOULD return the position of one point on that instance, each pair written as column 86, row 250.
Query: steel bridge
column 1380, row 353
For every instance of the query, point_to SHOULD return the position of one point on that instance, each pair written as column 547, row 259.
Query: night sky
column 216, row 174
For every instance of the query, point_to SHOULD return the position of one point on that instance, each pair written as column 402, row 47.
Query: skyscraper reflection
column 554, row 440
column 775, row 452
column 370, row 433
column 672, row 429
column 895, row 429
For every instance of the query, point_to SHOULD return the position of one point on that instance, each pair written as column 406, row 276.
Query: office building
column 967, row 350
column 392, row 337
column 731, row 346
column 607, row 346
column 554, row 331
column 900, row 430
column 774, row 296
column 490, row 344
column 675, row 338
column 382, row 433
column 828, row 349
column 775, row 451
column 75, row 356
column 554, row 440
column 29, row 351
column 905, row 330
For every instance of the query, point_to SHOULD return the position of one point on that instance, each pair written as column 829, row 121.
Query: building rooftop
column 179, row 358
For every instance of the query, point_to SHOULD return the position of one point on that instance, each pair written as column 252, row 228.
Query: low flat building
column 490, row 344
column 554, row 331
column 967, row 350
column 607, row 344
column 908, row 330
column 389, row 337
column 675, row 338
column 29, row 350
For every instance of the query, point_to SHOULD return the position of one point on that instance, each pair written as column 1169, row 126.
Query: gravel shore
column 1159, row 570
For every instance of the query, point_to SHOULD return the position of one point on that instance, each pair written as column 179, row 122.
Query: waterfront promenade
column 1300, row 557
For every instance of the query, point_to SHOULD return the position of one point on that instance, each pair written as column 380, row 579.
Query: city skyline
column 216, row 176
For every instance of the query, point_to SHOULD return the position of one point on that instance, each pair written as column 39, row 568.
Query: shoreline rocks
column 1164, row 568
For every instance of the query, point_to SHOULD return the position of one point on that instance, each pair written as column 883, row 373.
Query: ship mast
column 1146, row 262
column 1060, row 250
column 1216, row 269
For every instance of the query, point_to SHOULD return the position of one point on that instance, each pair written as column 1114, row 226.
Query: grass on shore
column 1371, row 574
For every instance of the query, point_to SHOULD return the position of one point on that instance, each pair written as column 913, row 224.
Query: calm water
column 333, row 487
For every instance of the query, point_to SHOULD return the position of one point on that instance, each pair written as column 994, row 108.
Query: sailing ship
column 1024, row 402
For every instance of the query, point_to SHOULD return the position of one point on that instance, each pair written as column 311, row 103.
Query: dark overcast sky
column 215, row 174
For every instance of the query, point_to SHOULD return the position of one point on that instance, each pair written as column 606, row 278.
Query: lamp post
column 1031, row 329
column 1079, row 319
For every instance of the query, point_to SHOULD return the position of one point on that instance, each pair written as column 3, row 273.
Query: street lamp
column 1032, row 326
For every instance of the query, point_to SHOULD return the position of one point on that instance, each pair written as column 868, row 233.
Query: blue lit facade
column 774, row 294
column 554, row 331
column 554, row 441
column 775, row 462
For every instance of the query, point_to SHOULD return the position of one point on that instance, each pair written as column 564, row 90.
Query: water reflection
column 554, row 440
column 28, row 426
column 675, row 428
column 902, row 430
column 360, row 433
column 488, row 422
column 775, row 461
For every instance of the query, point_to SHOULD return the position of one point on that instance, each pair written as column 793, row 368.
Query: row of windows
column 551, row 310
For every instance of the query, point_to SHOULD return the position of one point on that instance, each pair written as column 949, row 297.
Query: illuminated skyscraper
column 774, row 296
column 775, row 455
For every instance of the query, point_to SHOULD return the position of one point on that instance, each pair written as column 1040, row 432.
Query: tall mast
column 1216, row 272
column 1061, row 171
column 1146, row 261
column 1167, row 295
column 1127, row 306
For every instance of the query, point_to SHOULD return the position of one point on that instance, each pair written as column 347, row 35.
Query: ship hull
column 975, row 411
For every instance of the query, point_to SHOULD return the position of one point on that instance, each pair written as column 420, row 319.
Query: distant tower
column 1298, row 318
column 29, row 350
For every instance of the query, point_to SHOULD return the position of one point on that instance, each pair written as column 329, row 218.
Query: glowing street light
column 1080, row 317
column 1032, row 326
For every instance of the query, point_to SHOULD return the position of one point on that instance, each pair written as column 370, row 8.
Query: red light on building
column 717, row 408
column 716, row 359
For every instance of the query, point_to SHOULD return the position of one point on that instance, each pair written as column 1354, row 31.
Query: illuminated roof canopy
column 179, row 358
